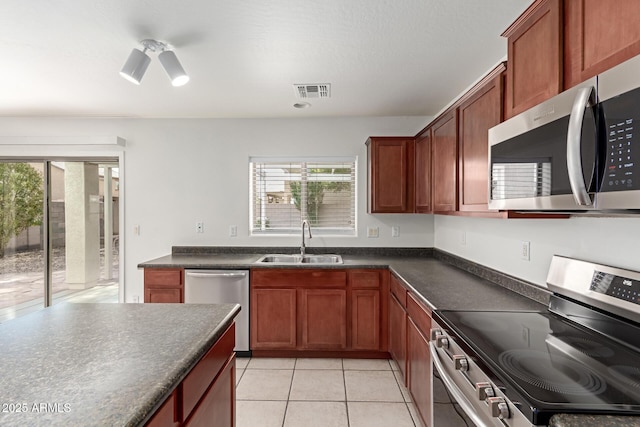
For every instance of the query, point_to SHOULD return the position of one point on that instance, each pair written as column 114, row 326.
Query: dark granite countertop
column 101, row 364
column 443, row 281
column 576, row 420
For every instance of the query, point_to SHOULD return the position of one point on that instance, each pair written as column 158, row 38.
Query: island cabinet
column 444, row 162
column 409, row 331
column 206, row 396
column 164, row 285
column 534, row 52
column 391, row 166
column 317, row 310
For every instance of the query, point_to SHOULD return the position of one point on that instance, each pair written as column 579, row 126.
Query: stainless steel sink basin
column 299, row 259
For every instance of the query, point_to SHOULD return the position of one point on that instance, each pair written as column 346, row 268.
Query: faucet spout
column 303, row 248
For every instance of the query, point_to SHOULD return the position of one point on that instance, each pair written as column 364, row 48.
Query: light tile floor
column 321, row 393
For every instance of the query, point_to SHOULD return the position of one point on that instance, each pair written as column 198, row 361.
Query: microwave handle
column 584, row 98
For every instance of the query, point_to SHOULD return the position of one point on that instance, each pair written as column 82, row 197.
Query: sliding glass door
column 59, row 233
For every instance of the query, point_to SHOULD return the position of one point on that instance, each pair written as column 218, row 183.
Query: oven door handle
column 452, row 387
column 584, row 99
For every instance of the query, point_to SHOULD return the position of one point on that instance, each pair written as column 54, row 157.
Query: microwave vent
column 317, row 90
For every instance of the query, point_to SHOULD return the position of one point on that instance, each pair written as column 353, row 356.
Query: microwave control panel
column 622, row 125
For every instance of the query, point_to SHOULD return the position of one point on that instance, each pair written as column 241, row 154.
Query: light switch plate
column 525, row 251
column 373, row 232
column 199, row 227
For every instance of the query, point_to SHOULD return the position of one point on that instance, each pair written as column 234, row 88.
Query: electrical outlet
column 233, row 230
column 199, row 227
column 395, row 231
column 463, row 238
column 135, row 299
column 372, row 232
column 136, row 230
column 525, row 251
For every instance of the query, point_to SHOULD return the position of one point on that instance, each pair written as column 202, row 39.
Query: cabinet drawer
column 399, row 291
column 369, row 279
column 163, row 277
column 299, row 277
column 201, row 376
column 420, row 315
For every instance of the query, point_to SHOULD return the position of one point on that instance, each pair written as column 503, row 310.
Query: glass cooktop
column 550, row 364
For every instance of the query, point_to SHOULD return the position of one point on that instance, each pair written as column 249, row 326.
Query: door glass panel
column 21, row 252
column 84, row 251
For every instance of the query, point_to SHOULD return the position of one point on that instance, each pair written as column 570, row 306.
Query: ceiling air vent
column 322, row 90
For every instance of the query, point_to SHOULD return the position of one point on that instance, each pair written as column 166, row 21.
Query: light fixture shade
column 136, row 66
column 172, row 66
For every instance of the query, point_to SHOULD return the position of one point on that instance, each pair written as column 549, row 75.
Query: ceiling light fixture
column 138, row 61
column 302, row 105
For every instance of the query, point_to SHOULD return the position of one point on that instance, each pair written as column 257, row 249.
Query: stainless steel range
column 582, row 355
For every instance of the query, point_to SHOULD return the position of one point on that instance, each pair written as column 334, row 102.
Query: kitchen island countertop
column 101, row 364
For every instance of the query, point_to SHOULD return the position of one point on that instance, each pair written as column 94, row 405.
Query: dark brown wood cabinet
column 423, row 172
column 479, row 111
column 163, row 285
column 207, row 395
column 419, row 367
column 444, row 162
column 398, row 325
column 535, row 54
column 391, row 166
column 273, row 318
column 599, row 34
column 322, row 319
column 318, row 310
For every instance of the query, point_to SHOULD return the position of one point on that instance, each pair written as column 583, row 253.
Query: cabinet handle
column 190, row 274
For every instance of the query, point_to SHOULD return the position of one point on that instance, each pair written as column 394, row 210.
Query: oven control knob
column 484, row 390
column 460, row 362
column 442, row 342
column 499, row 408
column 435, row 333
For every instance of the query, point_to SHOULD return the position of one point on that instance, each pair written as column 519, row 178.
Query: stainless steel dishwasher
column 222, row 286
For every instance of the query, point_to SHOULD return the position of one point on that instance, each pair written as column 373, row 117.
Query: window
column 284, row 192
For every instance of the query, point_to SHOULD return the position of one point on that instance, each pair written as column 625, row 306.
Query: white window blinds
column 284, row 192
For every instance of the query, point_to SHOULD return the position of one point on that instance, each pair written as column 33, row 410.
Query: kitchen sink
column 299, row 259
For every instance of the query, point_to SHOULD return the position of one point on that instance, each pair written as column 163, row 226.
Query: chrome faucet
column 303, row 248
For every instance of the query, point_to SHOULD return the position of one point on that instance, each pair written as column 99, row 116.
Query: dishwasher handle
column 234, row 274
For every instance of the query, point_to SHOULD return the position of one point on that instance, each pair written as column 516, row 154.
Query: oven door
column 547, row 157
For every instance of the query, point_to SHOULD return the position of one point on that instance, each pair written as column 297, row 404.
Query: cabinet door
column 534, row 51
column 391, row 170
column 445, row 163
column 398, row 334
column 217, row 407
column 323, row 319
column 163, row 285
column 365, row 319
column 167, row 415
column 162, row 295
column 423, row 172
column 599, row 34
column 478, row 114
column 273, row 318
column 419, row 372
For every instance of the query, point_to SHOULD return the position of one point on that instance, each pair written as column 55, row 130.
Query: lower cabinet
column 318, row 310
column 409, row 329
column 207, row 395
column 163, row 285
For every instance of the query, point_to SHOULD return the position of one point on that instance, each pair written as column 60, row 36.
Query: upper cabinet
column 479, row 111
column 534, row 50
column 391, row 165
column 599, row 34
column 423, row 172
column 444, row 162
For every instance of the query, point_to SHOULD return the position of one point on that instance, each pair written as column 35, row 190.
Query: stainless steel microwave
column 578, row 151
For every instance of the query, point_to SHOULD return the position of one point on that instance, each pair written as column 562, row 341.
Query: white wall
column 178, row 172
column 496, row 243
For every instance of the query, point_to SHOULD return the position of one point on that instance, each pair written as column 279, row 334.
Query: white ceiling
column 382, row 57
